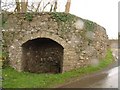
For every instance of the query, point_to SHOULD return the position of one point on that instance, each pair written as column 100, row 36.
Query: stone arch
column 15, row 51
column 42, row 55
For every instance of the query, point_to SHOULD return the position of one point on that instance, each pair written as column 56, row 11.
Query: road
column 104, row 79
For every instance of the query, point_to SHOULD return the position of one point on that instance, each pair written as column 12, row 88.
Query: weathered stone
column 94, row 62
column 90, row 35
column 67, row 45
column 79, row 24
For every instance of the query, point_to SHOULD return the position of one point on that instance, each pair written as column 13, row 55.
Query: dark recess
column 42, row 55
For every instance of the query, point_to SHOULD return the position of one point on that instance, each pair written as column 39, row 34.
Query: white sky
column 103, row 12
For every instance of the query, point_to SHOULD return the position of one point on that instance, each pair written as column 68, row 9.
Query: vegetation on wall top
column 63, row 17
column 89, row 25
column 28, row 16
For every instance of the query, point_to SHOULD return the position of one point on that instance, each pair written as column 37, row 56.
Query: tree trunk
column 24, row 4
column 55, row 7
column 67, row 6
column 21, row 7
column 17, row 9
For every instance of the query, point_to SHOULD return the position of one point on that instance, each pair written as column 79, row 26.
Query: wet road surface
column 104, row 79
column 109, row 81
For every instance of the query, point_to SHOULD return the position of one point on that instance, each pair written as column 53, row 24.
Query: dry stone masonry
column 52, row 42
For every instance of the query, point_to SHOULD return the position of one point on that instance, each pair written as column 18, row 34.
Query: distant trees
column 22, row 6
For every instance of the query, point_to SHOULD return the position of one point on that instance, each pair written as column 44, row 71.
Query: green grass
column 14, row 79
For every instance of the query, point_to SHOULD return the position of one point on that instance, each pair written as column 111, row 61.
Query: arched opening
column 42, row 55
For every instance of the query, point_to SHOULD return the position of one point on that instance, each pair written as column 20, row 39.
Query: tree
column 24, row 4
column 67, row 6
column 55, row 7
column 21, row 6
column 17, row 9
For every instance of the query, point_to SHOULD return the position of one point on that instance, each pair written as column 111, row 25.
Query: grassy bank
column 14, row 79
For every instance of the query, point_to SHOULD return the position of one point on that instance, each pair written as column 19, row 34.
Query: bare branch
column 45, row 6
column 55, row 7
column 38, row 6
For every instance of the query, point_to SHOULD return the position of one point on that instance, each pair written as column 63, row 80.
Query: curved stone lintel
column 16, row 52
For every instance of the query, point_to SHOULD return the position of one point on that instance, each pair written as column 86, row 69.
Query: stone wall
column 84, row 41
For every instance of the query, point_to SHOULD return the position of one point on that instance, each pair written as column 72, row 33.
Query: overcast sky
column 103, row 12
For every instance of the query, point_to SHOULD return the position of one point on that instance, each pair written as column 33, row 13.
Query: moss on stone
column 4, row 19
column 29, row 16
column 63, row 17
column 89, row 25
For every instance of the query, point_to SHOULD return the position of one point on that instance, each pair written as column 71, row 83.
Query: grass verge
column 14, row 79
